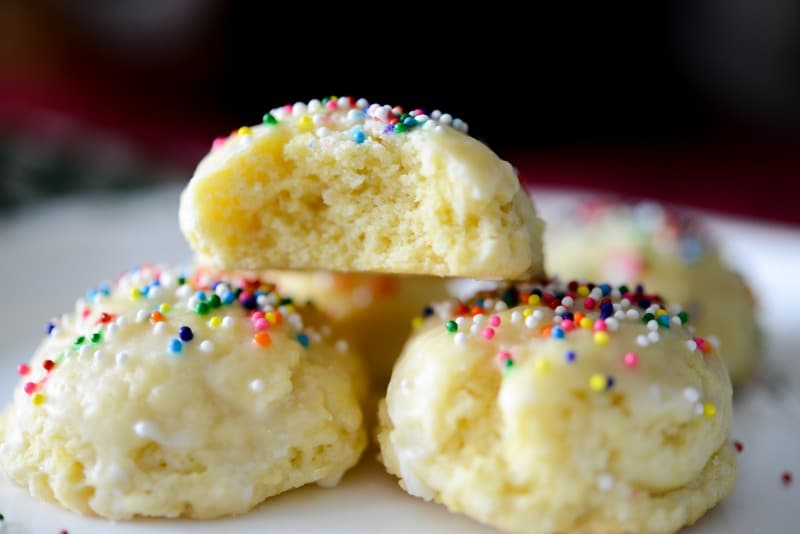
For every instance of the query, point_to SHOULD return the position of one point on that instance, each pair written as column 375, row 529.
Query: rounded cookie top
column 561, row 408
column 350, row 186
column 173, row 393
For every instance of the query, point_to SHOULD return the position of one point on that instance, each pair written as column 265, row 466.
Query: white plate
column 52, row 253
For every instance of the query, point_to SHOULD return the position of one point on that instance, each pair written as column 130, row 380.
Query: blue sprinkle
column 606, row 289
column 175, row 346
column 302, row 339
column 185, row 333
column 479, row 303
column 557, row 332
column 49, row 327
column 228, row 297
column 201, row 296
column 568, row 315
column 427, row 312
column 249, row 302
column 663, row 320
column 644, row 303
column 570, row 356
column 359, row 137
column 609, row 382
column 410, row 121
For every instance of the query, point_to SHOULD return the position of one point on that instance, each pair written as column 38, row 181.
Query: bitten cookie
column 375, row 312
column 167, row 394
column 670, row 254
column 346, row 186
column 571, row 409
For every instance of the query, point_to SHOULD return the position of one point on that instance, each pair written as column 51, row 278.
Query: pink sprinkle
column 261, row 324
column 256, row 315
column 23, row 369
column 502, row 356
column 600, row 326
column 29, row 388
column 589, row 303
column 331, row 105
column 568, row 325
column 700, row 342
column 85, row 313
column 218, row 142
column 287, row 108
column 494, row 320
column 630, row 359
column 488, row 333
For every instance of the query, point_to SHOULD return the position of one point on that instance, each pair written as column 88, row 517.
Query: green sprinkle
column 647, row 317
column 284, row 301
column 508, row 365
column 400, row 128
column 269, row 119
column 683, row 316
column 96, row 338
column 80, row 341
column 215, row 301
column 202, row 308
column 623, row 289
column 181, row 280
column 60, row 358
column 451, row 326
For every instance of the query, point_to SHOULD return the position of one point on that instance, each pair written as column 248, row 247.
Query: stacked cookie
column 539, row 406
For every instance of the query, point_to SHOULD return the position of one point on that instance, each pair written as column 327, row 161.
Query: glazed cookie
column 670, row 254
column 346, row 186
column 166, row 395
column 577, row 409
column 375, row 312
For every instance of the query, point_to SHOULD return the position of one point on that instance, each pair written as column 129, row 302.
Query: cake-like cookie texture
column 669, row 252
column 170, row 394
column 375, row 312
column 344, row 185
column 565, row 408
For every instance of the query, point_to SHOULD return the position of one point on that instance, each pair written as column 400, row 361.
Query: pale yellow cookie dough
column 619, row 428
column 668, row 252
column 335, row 186
column 133, row 418
column 376, row 312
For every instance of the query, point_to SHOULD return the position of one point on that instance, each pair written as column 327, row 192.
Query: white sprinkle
column 121, row 321
column 653, row 337
column 206, row 346
column 112, row 329
column 342, row 345
column 227, row 321
column 605, row 482
column 516, row 317
column 488, row 303
column 531, row 321
column 612, row 324
column 478, row 318
column 183, row 291
column 676, row 320
column 624, row 304
column 436, row 114
column 596, row 293
column 299, row 108
column 121, row 358
column 167, row 279
column 429, row 125
column 699, row 409
column 557, row 319
column 439, row 129
column 262, row 301
column 691, row 394
column 361, row 103
column 154, row 292
column 98, row 355
column 475, row 329
column 538, row 314
column 561, row 310
column 615, row 294
column 714, row 340
column 568, row 302
column 619, row 315
column 191, row 304
column 461, row 320
column 642, row 340
column 159, row 327
column 83, row 351
column 616, row 307
column 446, row 118
column 147, row 429
column 257, row 385
column 141, row 315
column 500, row 306
column 221, row 289
column 632, row 314
column 691, row 345
column 54, row 332
column 652, row 325
column 460, row 339
column 652, row 309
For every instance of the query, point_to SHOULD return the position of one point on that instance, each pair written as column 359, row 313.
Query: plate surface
column 52, row 253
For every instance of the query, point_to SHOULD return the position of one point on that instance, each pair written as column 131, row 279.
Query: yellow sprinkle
column 305, row 123
column 244, row 130
column 533, row 300
column 709, row 410
column 587, row 323
column 165, row 308
column 37, row 399
column 416, row 322
column 527, row 312
column 601, row 338
column 583, row 291
column 659, row 313
column 542, row 365
column 214, row 321
column 288, row 308
column 597, row 382
column 135, row 294
column 271, row 317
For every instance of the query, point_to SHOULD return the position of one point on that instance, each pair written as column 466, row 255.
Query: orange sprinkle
column 156, row 317
column 262, row 339
column 546, row 330
column 578, row 317
column 707, row 348
column 476, row 310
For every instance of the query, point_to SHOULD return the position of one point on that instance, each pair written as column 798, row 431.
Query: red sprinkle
column 786, row 478
column 23, row 369
column 105, row 318
column 48, row 365
column 738, row 446
column 29, row 388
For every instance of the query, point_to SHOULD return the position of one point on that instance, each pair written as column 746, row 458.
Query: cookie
column 566, row 408
column 343, row 185
column 172, row 394
column 670, row 253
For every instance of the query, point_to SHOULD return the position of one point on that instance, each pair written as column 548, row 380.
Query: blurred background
column 684, row 101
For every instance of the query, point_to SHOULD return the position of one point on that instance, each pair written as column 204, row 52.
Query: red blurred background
column 691, row 102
